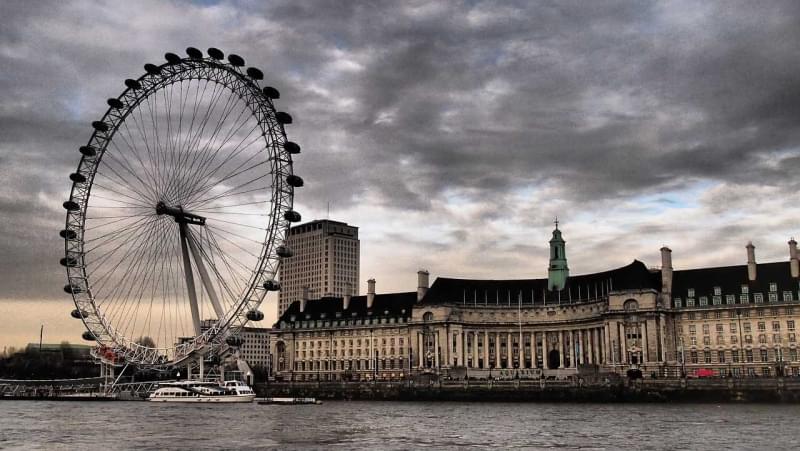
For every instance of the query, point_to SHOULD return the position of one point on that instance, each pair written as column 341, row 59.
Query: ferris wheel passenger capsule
column 295, row 181
column 272, row 285
column 292, row 216
column 235, row 60
column 68, row 234
column 100, row 126
column 194, row 53
column 255, row 315
column 71, row 205
column 215, row 53
column 284, row 252
column 133, row 84
column 255, row 73
column 69, row 262
column 88, row 336
column 172, row 58
column 283, row 117
column 72, row 289
column 271, row 92
column 77, row 314
column 88, row 151
column 152, row 69
column 291, row 147
column 115, row 103
column 77, row 177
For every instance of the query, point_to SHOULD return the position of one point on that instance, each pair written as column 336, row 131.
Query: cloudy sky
column 451, row 133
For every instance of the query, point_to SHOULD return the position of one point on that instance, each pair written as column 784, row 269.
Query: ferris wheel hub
column 179, row 214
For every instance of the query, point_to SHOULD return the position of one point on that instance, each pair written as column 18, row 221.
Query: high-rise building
column 325, row 261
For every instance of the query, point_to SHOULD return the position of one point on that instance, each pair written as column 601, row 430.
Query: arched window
column 630, row 305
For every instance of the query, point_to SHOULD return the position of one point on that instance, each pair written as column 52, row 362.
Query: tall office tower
column 326, row 261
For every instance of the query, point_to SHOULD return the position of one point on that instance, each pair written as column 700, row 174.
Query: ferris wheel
column 179, row 210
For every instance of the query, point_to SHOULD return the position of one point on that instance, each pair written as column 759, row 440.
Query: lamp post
column 683, row 358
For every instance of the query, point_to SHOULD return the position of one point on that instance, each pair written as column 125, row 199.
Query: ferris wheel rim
column 232, row 77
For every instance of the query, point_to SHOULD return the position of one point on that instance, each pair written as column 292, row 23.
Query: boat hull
column 206, row 399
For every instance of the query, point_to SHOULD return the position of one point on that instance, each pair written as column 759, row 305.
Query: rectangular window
column 707, row 356
column 703, row 300
column 745, row 289
column 733, row 327
column 787, row 296
column 690, row 293
column 730, row 299
column 735, row 356
column 762, row 326
column 717, row 315
column 749, row 355
column 693, row 341
column 717, row 300
column 705, row 329
column 720, row 328
column 793, row 354
column 746, row 327
column 776, row 338
column 744, row 299
column 758, row 298
column 693, row 356
column 717, row 291
column 720, row 339
column 773, row 297
column 764, row 355
column 776, row 326
column 773, row 287
column 692, row 329
column 721, row 356
column 690, row 302
column 706, row 341
column 734, row 339
column 677, row 302
column 790, row 324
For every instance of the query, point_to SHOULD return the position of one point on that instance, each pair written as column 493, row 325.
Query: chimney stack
column 751, row 262
column 422, row 283
column 304, row 299
column 793, row 262
column 666, row 271
column 370, row 292
column 346, row 299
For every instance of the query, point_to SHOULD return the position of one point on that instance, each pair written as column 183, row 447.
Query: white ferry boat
column 199, row 391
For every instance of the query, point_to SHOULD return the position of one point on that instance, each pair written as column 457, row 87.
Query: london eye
column 179, row 210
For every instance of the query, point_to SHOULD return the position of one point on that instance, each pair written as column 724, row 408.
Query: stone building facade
column 736, row 320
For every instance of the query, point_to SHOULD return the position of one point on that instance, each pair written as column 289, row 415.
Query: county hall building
column 723, row 321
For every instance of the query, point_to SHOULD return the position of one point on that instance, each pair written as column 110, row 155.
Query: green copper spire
column 557, row 272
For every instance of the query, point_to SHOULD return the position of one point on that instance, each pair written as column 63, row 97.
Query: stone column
column 534, row 351
column 545, row 351
column 522, row 350
column 462, row 352
column 645, row 350
column 561, row 348
column 485, row 349
column 475, row 337
column 623, row 352
column 436, row 346
column 420, row 350
column 608, row 353
column 509, row 351
column 497, row 349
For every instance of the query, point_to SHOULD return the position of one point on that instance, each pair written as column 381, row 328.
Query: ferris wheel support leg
column 187, row 271
column 202, row 367
column 201, row 267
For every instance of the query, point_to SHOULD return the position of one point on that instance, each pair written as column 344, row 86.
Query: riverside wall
column 786, row 390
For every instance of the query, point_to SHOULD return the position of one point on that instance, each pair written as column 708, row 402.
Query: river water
column 396, row 425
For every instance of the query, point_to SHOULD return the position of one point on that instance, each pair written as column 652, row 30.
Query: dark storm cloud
column 402, row 104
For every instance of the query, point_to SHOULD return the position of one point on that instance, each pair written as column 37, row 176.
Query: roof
column 581, row 288
column 731, row 278
column 388, row 304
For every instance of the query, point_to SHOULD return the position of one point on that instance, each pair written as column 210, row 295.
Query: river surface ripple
column 397, row 425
